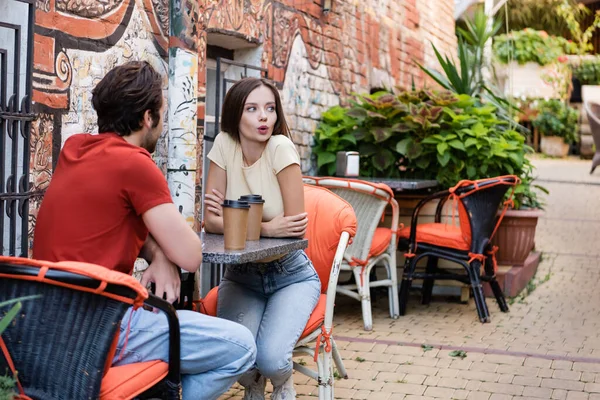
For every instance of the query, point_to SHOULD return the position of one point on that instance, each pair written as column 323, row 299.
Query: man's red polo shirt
column 92, row 210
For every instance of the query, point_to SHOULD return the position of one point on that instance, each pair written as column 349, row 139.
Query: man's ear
column 148, row 120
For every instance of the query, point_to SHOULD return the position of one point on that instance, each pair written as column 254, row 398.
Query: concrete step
column 585, row 129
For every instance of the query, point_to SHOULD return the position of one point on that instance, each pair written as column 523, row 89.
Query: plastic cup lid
column 252, row 198
column 235, row 204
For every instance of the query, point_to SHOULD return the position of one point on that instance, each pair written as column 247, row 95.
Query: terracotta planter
column 554, row 146
column 515, row 237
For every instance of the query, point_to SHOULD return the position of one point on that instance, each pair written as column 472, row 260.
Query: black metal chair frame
column 43, row 366
column 482, row 220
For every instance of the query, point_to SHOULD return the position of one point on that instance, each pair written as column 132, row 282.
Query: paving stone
column 570, row 375
column 440, row 393
column 562, row 384
column 405, row 388
column 539, row 392
column 502, row 388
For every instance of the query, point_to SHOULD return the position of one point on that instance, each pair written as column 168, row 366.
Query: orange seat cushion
column 381, row 241
column 316, row 318
column 127, row 381
column 208, row 306
column 328, row 216
column 437, row 234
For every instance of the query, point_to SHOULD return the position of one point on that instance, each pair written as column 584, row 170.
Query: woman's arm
column 216, row 187
column 293, row 222
column 292, row 190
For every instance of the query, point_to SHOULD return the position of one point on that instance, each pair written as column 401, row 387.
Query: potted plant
column 557, row 123
column 515, row 237
column 527, row 59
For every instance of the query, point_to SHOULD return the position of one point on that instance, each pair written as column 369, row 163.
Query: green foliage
column 588, row 71
column 422, row 134
column 555, row 118
column 7, row 383
column 573, row 16
column 466, row 76
column 534, row 14
column 529, row 45
column 527, row 193
column 458, row 353
column 7, row 387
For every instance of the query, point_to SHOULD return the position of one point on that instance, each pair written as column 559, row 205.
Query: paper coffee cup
column 254, row 216
column 235, row 223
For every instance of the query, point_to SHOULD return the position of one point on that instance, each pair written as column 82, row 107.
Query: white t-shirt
column 260, row 177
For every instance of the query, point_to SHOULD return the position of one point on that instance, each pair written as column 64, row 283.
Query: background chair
column 593, row 112
column 468, row 244
column 373, row 245
column 331, row 225
column 62, row 344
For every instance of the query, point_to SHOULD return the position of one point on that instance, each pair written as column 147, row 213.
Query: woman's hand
column 213, row 202
column 280, row 226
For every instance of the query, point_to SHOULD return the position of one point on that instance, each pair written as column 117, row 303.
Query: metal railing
column 15, row 126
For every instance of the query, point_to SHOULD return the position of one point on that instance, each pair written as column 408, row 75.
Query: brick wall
column 320, row 59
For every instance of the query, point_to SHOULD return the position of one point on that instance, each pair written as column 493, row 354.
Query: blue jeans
column 274, row 300
column 214, row 352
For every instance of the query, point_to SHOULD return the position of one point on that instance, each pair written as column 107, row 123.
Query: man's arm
column 173, row 236
column 161, row 271
column 149, row 249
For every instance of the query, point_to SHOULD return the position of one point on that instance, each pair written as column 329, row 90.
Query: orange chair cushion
column 316, row 318
column 328, row 216
column 437, row 234
column 381, row 241
column 127, row 381
column 208, row 306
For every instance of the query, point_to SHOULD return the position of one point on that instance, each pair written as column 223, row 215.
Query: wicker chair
column 593, row 112
column 468, row 244
column 331, row 225
column 62, row 344
column 373, row 246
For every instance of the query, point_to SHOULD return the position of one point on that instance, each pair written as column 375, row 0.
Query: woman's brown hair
column 233, row 107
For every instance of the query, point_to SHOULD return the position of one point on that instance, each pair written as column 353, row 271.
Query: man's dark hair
column 233, row 107
column 122, row 97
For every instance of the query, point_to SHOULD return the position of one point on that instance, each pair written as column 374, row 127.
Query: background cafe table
column 405, row 184
column 215, row 257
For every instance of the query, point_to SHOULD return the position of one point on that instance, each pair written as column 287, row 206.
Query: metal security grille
column 16, row 35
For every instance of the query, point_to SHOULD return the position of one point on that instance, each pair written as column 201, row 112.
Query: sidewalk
column 547, row 347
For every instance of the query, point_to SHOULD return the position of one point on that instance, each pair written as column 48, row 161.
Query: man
column 108, row 202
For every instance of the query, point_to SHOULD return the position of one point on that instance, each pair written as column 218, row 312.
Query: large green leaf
column 9, row 316
column 442, row 147
column 443, row 159
column 357, row 112
column 402, row 146
column 381, row 134
column 414, row 150
column 348, row 138
column 325, row 158
column 457, row 144
column 383, row 159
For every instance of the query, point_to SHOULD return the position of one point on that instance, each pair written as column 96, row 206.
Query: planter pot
column 533, row 81
column 554, row 146
column 590, row 93
column 515, row 237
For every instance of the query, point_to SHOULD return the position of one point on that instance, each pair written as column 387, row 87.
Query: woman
column 273, row 298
